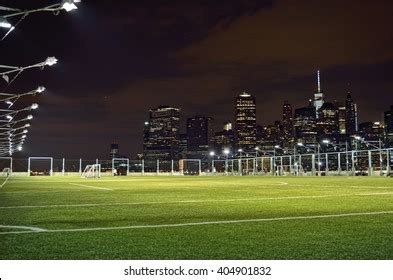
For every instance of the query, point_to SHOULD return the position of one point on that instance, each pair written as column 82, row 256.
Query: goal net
column 92, row 171
column 190, row 167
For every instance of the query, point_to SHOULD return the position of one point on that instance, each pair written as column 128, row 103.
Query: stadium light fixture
column 212, row 153
column 50, row 61
column 4, row 23
column 69, row 5
column 227, row 151
column 325, row 141
column 34, row 106
column 17, row 70
column 240, row 150
column 40, row 89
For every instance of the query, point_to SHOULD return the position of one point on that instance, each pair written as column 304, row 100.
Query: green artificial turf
column 185, row 204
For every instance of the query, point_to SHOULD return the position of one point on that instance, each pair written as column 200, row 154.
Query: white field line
column 6, row 180
column 223, row 222
column 34, row 229
column 191, row 201
column 92, row 187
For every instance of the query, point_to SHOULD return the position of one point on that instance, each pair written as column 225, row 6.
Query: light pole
column 6, row 70
column 240, row 162
column 226, row 153
column 67, row 5
column 212, row 154
column 10, row 98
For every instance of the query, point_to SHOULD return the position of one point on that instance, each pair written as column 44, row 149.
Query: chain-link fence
column 352, row 163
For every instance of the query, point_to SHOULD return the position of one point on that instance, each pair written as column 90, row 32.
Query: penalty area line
column 92, row 187
column 206, row 223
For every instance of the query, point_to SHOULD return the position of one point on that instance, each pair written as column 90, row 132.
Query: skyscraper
column 328, row 122
column 199, row 136
column 305, row 125
column 224, row 139
column 114, row 151
column 163, row 134
column 245, row 121
column 350, row 116
column 388, row 119
column 342, row 120
column 319, row 97
column 287, row 123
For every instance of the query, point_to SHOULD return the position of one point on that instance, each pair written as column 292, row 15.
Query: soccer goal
column 40, row 166
column 6, row 164
column 120, row 166
column 92, row 171
column 190, row 167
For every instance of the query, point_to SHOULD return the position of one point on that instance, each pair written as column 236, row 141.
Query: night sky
column 118, row 59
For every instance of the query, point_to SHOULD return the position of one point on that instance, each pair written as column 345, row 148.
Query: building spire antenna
column 319, row 81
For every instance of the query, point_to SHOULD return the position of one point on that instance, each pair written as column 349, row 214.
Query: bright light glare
column 226, row 151
column 211, row 153
column 326, row 141
column 34, row 106
column 25, row 131
column 277, row 147
column 240, row 150
column 29, row 117
column 69, row 5
column 4, row 23
column 20, row 148
column 51, row 61
column 40, row 89
column 9, row 117
column 300, row 144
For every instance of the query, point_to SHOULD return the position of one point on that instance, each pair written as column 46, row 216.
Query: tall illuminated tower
column 246, row 121
column 318, row 96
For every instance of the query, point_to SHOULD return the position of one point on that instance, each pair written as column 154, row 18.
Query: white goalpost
column 41, row 171
column 92, row 171
column 185, row 169
column 120, row 166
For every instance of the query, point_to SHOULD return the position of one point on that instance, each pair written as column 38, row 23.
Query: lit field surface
column 197, row 218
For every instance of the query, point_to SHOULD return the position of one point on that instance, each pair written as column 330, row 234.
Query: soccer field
column 197, row 218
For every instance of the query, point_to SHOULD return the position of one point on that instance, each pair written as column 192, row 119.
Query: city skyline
column 130, row 57
column 322, row 122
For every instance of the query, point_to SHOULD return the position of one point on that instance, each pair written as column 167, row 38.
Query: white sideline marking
column 203, row 223
column 92, row 187
column 191, row 201
column 32, row 229
column 6, row 180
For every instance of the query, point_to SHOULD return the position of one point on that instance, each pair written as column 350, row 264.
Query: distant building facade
column 350, row 116
column 162, row 138
column 287, row 124
column 305, row 125
column 245, row 121
column 328, row 122
column 224, row 139
column 388, row 119
column 200, row 134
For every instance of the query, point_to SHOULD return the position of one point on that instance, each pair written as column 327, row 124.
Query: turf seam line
column 203, row 223
column 92, row 187
column 189, row 201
